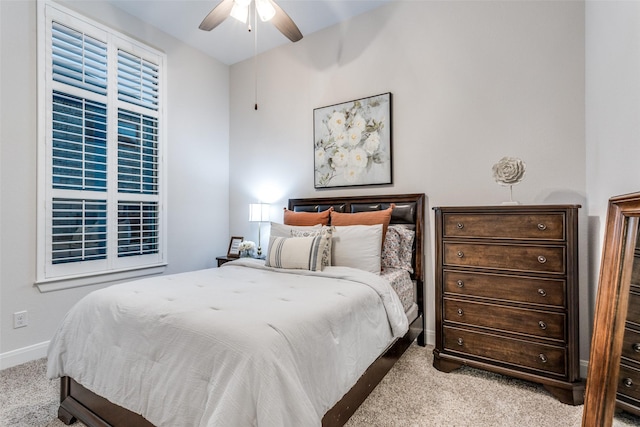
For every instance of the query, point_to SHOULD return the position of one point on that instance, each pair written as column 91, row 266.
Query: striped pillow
column 302, row 253
column 326, row 233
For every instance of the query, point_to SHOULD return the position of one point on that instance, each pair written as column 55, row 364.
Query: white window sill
column 61, row 283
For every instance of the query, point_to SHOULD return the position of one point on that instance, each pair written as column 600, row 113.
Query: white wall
column 471, row 82
column 197, row 168
column 612, row 100
column 612, row 110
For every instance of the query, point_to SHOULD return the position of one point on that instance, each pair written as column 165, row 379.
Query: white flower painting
column 352, row 143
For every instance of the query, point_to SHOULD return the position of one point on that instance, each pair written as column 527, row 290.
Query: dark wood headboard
column 409, row 212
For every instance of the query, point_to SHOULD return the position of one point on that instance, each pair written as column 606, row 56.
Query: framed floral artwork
column 352, row 143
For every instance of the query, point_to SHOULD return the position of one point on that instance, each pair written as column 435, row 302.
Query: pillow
column 357, row 246
column 397, row 249
column 364, row 218
column 302, row 253
column 325, row 232
column 306, row 218
column 282, row 230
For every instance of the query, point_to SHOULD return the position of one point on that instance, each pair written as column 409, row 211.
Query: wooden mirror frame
column 612, row 302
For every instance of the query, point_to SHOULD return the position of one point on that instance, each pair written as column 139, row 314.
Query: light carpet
column 412, row 394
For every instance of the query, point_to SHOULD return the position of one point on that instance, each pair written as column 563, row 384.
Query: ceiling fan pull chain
column 255, row 53
column 241, row 10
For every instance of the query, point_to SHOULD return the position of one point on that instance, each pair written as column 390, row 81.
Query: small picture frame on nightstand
column 234, row 247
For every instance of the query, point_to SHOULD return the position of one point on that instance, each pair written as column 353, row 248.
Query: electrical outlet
column 20, row 319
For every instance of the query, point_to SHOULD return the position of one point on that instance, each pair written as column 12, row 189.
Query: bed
column 328, row 381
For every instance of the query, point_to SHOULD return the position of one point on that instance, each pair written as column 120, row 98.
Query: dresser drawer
column 507, row 319
column 531, row 355
column 511, row 288
column 505, row 226
column 631, row 345
column 635, row 272
column 545, row 259
column 629, row 382
column 633, row 312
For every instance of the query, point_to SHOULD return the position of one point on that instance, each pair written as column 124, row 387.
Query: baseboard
column 430, row 337
column 584, row 368
column 23, row 355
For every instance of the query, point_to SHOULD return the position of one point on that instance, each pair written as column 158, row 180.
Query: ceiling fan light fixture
column 240, row 12
column 266, row 11
column 239, row 9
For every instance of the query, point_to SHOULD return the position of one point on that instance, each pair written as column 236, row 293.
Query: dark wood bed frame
column 78, row 403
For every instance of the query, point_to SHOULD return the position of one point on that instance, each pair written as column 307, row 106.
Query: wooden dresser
column 628, row 395
column 507, row 293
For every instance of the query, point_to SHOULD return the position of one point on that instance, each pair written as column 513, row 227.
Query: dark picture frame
column 352, row 143
column 234, row 247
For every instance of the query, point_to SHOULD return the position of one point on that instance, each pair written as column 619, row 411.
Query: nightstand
column 222, row 259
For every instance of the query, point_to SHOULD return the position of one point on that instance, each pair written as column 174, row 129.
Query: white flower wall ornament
column 509, row 171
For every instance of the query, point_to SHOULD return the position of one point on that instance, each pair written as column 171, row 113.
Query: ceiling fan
column 268, row 10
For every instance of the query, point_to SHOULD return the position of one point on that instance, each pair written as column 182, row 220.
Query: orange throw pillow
column 306, row 218
column 364, row 218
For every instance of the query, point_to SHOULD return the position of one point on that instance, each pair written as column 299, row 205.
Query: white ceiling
column 230, row 42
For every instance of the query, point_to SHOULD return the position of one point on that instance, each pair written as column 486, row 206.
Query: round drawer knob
column 460, row 226
column 460, row 312
column 636, row 347
column 542, row 325
column 460, row 254
column 627, row 382
column 542, row 292
column 542, row 259
column 542, row 227
column 460, row 284
column 460, row 341
column 543, row 358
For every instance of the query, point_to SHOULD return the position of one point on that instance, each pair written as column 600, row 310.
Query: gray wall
column 612, row 110
column 555, row 83
column 471, row 82
column 197, row 168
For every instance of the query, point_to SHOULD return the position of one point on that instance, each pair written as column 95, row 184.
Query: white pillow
column 282, row 230
column 325, row 232
column 303, row 253
column 357, row 246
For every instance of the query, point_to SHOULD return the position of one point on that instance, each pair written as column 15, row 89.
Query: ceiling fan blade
column 217, row 15
column 285, row 24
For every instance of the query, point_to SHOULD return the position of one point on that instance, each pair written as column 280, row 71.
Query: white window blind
column 137, row 228
column 137, row 81
column 79, row 149
column 137, row 153
column 78, row 60
column 79, row 229
column 101, row 120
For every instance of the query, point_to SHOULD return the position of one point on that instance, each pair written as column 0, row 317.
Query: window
column 101, row 121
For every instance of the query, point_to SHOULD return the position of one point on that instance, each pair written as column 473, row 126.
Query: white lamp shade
column 266, row 11
column 258, row 212
column 240, row 12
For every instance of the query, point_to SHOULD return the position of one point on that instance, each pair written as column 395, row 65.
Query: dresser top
column 511, row 208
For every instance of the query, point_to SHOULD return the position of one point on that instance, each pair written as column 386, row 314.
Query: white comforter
column 242, row 345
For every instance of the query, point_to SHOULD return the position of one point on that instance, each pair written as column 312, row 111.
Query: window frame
column 50, row 276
